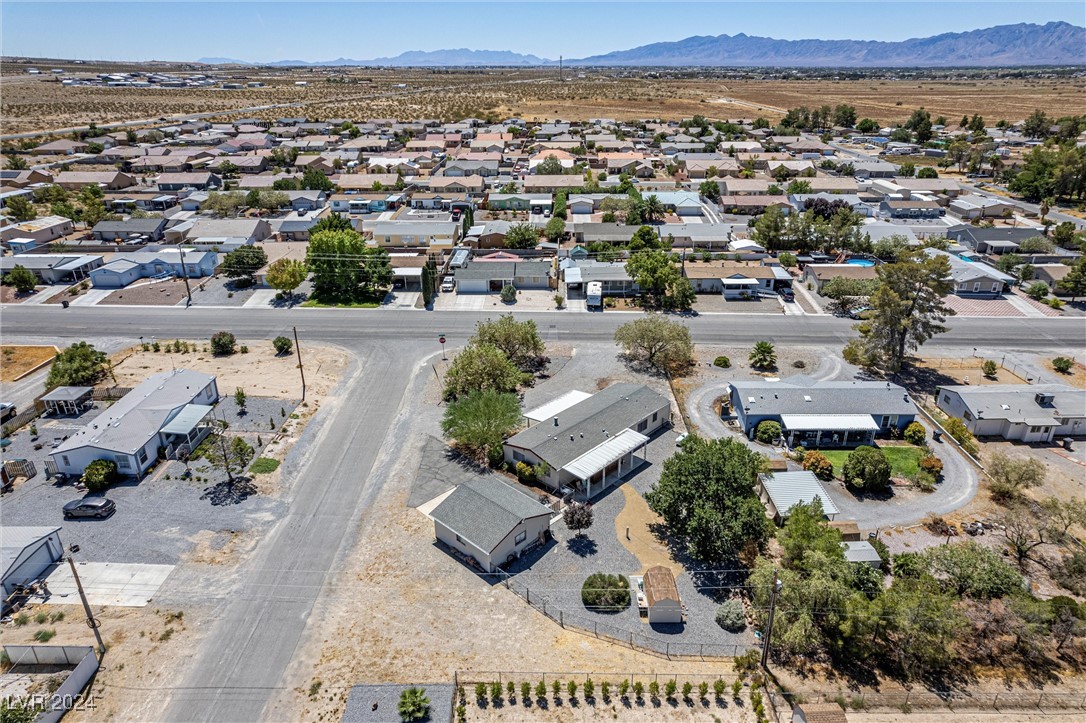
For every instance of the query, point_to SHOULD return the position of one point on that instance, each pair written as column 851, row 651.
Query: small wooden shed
column 662, row 595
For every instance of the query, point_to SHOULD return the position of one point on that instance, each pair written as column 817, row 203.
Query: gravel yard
column 221, row 291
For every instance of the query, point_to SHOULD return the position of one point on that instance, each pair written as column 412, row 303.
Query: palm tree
column 654, row 209
column 763, row 356
column 995, row 161
column 1046, row 206
column 414, row 705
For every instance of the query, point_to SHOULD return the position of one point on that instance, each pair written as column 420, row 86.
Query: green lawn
column 264, row 465
column 903, row 459
column 365, row 301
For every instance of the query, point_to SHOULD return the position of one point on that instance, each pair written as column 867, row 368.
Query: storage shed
column 26, row 553
column 662, row 595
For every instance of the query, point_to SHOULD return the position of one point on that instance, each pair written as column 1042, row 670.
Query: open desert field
column 37, row 103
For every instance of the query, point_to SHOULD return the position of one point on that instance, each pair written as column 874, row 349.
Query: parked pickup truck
column 447, row 284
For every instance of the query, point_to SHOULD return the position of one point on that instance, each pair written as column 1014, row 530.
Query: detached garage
column 26, row 553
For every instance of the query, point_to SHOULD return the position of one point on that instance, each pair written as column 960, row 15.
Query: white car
column 447, row 284
column 680, row 439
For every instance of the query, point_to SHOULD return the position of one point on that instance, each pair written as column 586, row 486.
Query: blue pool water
column 861, row 262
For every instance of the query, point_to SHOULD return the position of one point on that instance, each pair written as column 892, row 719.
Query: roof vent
column 571, row 438
column 1005, row 407
column 807, row 398
column 556, row 421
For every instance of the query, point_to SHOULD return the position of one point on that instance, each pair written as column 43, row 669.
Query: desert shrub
column 282, row 344
column 989, row 368
column 767, row 431
column 606, row 593
column 931, row 464
column 915, row 433
column 223, row 343
column 99, row 474
column 818, row 464
column 723, row 362
column 730, row 616
column 509, row 293
column 1062, row 364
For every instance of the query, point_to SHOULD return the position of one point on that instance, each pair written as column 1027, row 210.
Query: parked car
column 787, row 294
column 7, row 410
column 857, row 313
column 681, row 438
column 99, row 507
column 448, row 284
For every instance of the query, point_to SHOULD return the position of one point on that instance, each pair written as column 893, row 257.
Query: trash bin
column 64, row 303
column 937, row 435
column 1067, row 443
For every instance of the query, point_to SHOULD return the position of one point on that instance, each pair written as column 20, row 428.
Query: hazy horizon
column 269, row 31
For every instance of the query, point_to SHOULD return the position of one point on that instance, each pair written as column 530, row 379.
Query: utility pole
column 298, row 348
column 185, row 276
column 91, row 622
column 769, row 623
column 561, row 74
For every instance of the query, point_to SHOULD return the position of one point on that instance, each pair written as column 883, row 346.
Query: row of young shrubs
column 494, row 694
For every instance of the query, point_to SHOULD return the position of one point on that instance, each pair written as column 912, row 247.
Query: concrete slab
column 428, row 507
column 47, row 293
column 401, row 300
column 91, row 297
column 261, row 297
column 108, row 583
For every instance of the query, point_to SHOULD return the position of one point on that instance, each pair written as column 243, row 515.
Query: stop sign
column 441, row 339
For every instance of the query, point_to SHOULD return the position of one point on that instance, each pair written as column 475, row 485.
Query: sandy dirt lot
column 18, row 360
column 261, row 372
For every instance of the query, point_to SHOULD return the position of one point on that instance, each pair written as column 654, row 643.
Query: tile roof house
column 167, row 410
column 107, row 180
column 490, row 521
column 589, row 444
column 177, row 181
column 816, row 414
column 1025, row 412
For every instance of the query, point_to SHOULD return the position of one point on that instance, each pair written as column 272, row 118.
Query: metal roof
column 788, row 489
column 860, row 551
column 1017, row 403
column 604, row 454
column 189, row 416
column 484, row 511
column 66, row 394
column 556, row 406
column 803, row 395
column 590, row 422
column 836, row 422
column 660, row 584
column 13, row 540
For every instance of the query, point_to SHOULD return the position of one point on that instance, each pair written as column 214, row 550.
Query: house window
column 995, row 287
column 642, row 425
column 1036, row 430
column 976, row 286
column 518, row 456
column 460, row 539
column 123, row 462
column 655, row 416
column 64, row 460
column 141, row 455
column 520, row 538
column 967, row 416
column 946, row 399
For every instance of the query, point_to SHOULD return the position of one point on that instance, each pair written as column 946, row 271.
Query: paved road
column 1064, row 334
column 255, row 636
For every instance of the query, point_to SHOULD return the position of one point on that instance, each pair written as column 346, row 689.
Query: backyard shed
column 26, row 553
column 662, row 596
column 781, row 491
column 862, row 551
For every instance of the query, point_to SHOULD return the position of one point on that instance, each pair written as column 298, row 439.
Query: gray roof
column 66, row 394
column 13, row 540
column 590, row 423
column 139, row 415
column 961, row 270
column 603, row 271
column 855, row 397
column 47, row 261
column 1018, row 402
column 132, row 225
column 503, row 269
column 860, row 551
column 971, row 235
column 484, row 511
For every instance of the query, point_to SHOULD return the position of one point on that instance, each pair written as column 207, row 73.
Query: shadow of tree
column 582, row 546
column 225, row 493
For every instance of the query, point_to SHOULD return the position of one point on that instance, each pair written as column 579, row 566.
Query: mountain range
column 1055, row 43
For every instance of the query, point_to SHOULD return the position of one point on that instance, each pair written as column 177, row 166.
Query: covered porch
column 187, row 429
column 739, row 288
column 813, row 431
column 607, row 463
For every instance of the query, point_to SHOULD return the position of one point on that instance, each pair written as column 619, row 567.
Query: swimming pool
column 861, row 262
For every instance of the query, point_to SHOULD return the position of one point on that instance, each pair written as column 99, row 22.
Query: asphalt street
column 346, row 326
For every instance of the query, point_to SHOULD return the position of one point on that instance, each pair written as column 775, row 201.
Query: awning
column 604, row 454
column 66, row 394
column 829, row 422
column 189, row 416
column 739, row 282
column 556, row 406
column 573, row 275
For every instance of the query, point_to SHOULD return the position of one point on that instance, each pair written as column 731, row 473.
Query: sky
column 268, row 30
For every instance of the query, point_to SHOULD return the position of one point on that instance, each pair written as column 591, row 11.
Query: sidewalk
column 91, row 297
column 42, row 296
column 806, row 298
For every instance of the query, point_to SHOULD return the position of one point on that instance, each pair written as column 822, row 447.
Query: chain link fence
column 605, row 631
column 906, row 700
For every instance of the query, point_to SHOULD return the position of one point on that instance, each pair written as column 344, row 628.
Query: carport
column 26, row 553
column 67, row 400
column 409, row 276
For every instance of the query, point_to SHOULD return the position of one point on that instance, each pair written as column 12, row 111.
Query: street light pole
column 185, row 276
